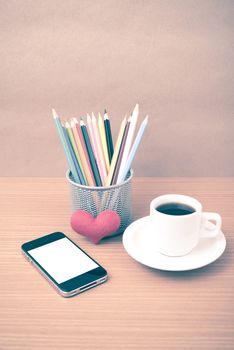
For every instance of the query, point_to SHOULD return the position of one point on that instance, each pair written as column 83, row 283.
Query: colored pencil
column 71, row 151
column 65, row 146
column 133, row 150
column 101, row 128
column 116, row 152
column 99, row 149
column 75, row 150
column 88, row 147
column 92, row 158
column 121, row 151
column 95, row 147
column 90, row 132
column 108, row 136
column 129, row 140
column 86, row 167
column 77, row 166
column 77, row 124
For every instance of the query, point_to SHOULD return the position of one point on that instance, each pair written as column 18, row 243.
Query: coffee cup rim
column 178, row 198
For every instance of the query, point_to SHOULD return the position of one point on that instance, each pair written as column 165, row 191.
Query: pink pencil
column 84, row 148
column 99, row 146
column 95, row 148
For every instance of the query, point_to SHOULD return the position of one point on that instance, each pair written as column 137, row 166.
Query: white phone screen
column 62, row 260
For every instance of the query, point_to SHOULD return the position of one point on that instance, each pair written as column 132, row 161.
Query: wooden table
column 138, row 308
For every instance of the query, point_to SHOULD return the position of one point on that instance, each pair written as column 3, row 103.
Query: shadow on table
column 214, row 268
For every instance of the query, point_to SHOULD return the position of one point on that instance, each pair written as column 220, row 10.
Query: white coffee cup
column 177, row 235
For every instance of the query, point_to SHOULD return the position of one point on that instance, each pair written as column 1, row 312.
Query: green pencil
column 73, row 143
column 109, row 140
column 91, row 156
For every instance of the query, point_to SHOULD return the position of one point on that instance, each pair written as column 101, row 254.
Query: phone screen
column 63, row 260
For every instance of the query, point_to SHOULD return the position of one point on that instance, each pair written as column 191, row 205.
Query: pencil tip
column 105, row 115
column 136, row 108
column 54, row 113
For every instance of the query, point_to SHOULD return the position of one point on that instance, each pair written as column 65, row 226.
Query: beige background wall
column 173, row 57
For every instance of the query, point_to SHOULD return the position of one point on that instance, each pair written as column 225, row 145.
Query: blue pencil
column 65, row 146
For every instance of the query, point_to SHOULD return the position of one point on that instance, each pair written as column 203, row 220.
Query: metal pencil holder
column 95, row 200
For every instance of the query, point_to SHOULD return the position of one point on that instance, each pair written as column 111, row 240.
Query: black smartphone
column 65, row 265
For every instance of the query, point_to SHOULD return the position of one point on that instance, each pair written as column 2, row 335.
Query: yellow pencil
column 116, row 152
column 82, row 154
column 71, row 137
column 102, row 133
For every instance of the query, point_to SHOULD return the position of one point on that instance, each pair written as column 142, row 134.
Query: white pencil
column 133, row 150
column 129, row 140
column 101, row 158
column 94, row 142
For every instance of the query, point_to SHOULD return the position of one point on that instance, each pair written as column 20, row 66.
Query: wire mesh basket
column 95, row 200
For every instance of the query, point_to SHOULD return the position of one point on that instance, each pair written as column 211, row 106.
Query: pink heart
column 95, row 228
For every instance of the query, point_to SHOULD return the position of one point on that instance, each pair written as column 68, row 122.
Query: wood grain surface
column 139, row 307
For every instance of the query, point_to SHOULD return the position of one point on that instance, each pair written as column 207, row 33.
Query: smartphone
column 65, row 265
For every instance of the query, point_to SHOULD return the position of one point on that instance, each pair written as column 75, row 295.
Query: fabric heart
column 95, row 228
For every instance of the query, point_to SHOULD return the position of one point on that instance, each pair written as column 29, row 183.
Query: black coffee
column 175, row 209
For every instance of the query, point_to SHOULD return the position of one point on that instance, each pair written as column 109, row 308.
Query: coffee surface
column 175, row 209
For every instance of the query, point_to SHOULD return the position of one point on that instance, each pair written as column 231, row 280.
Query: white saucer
column 139, row 248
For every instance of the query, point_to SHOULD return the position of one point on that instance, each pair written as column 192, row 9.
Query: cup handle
column 207, row 230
